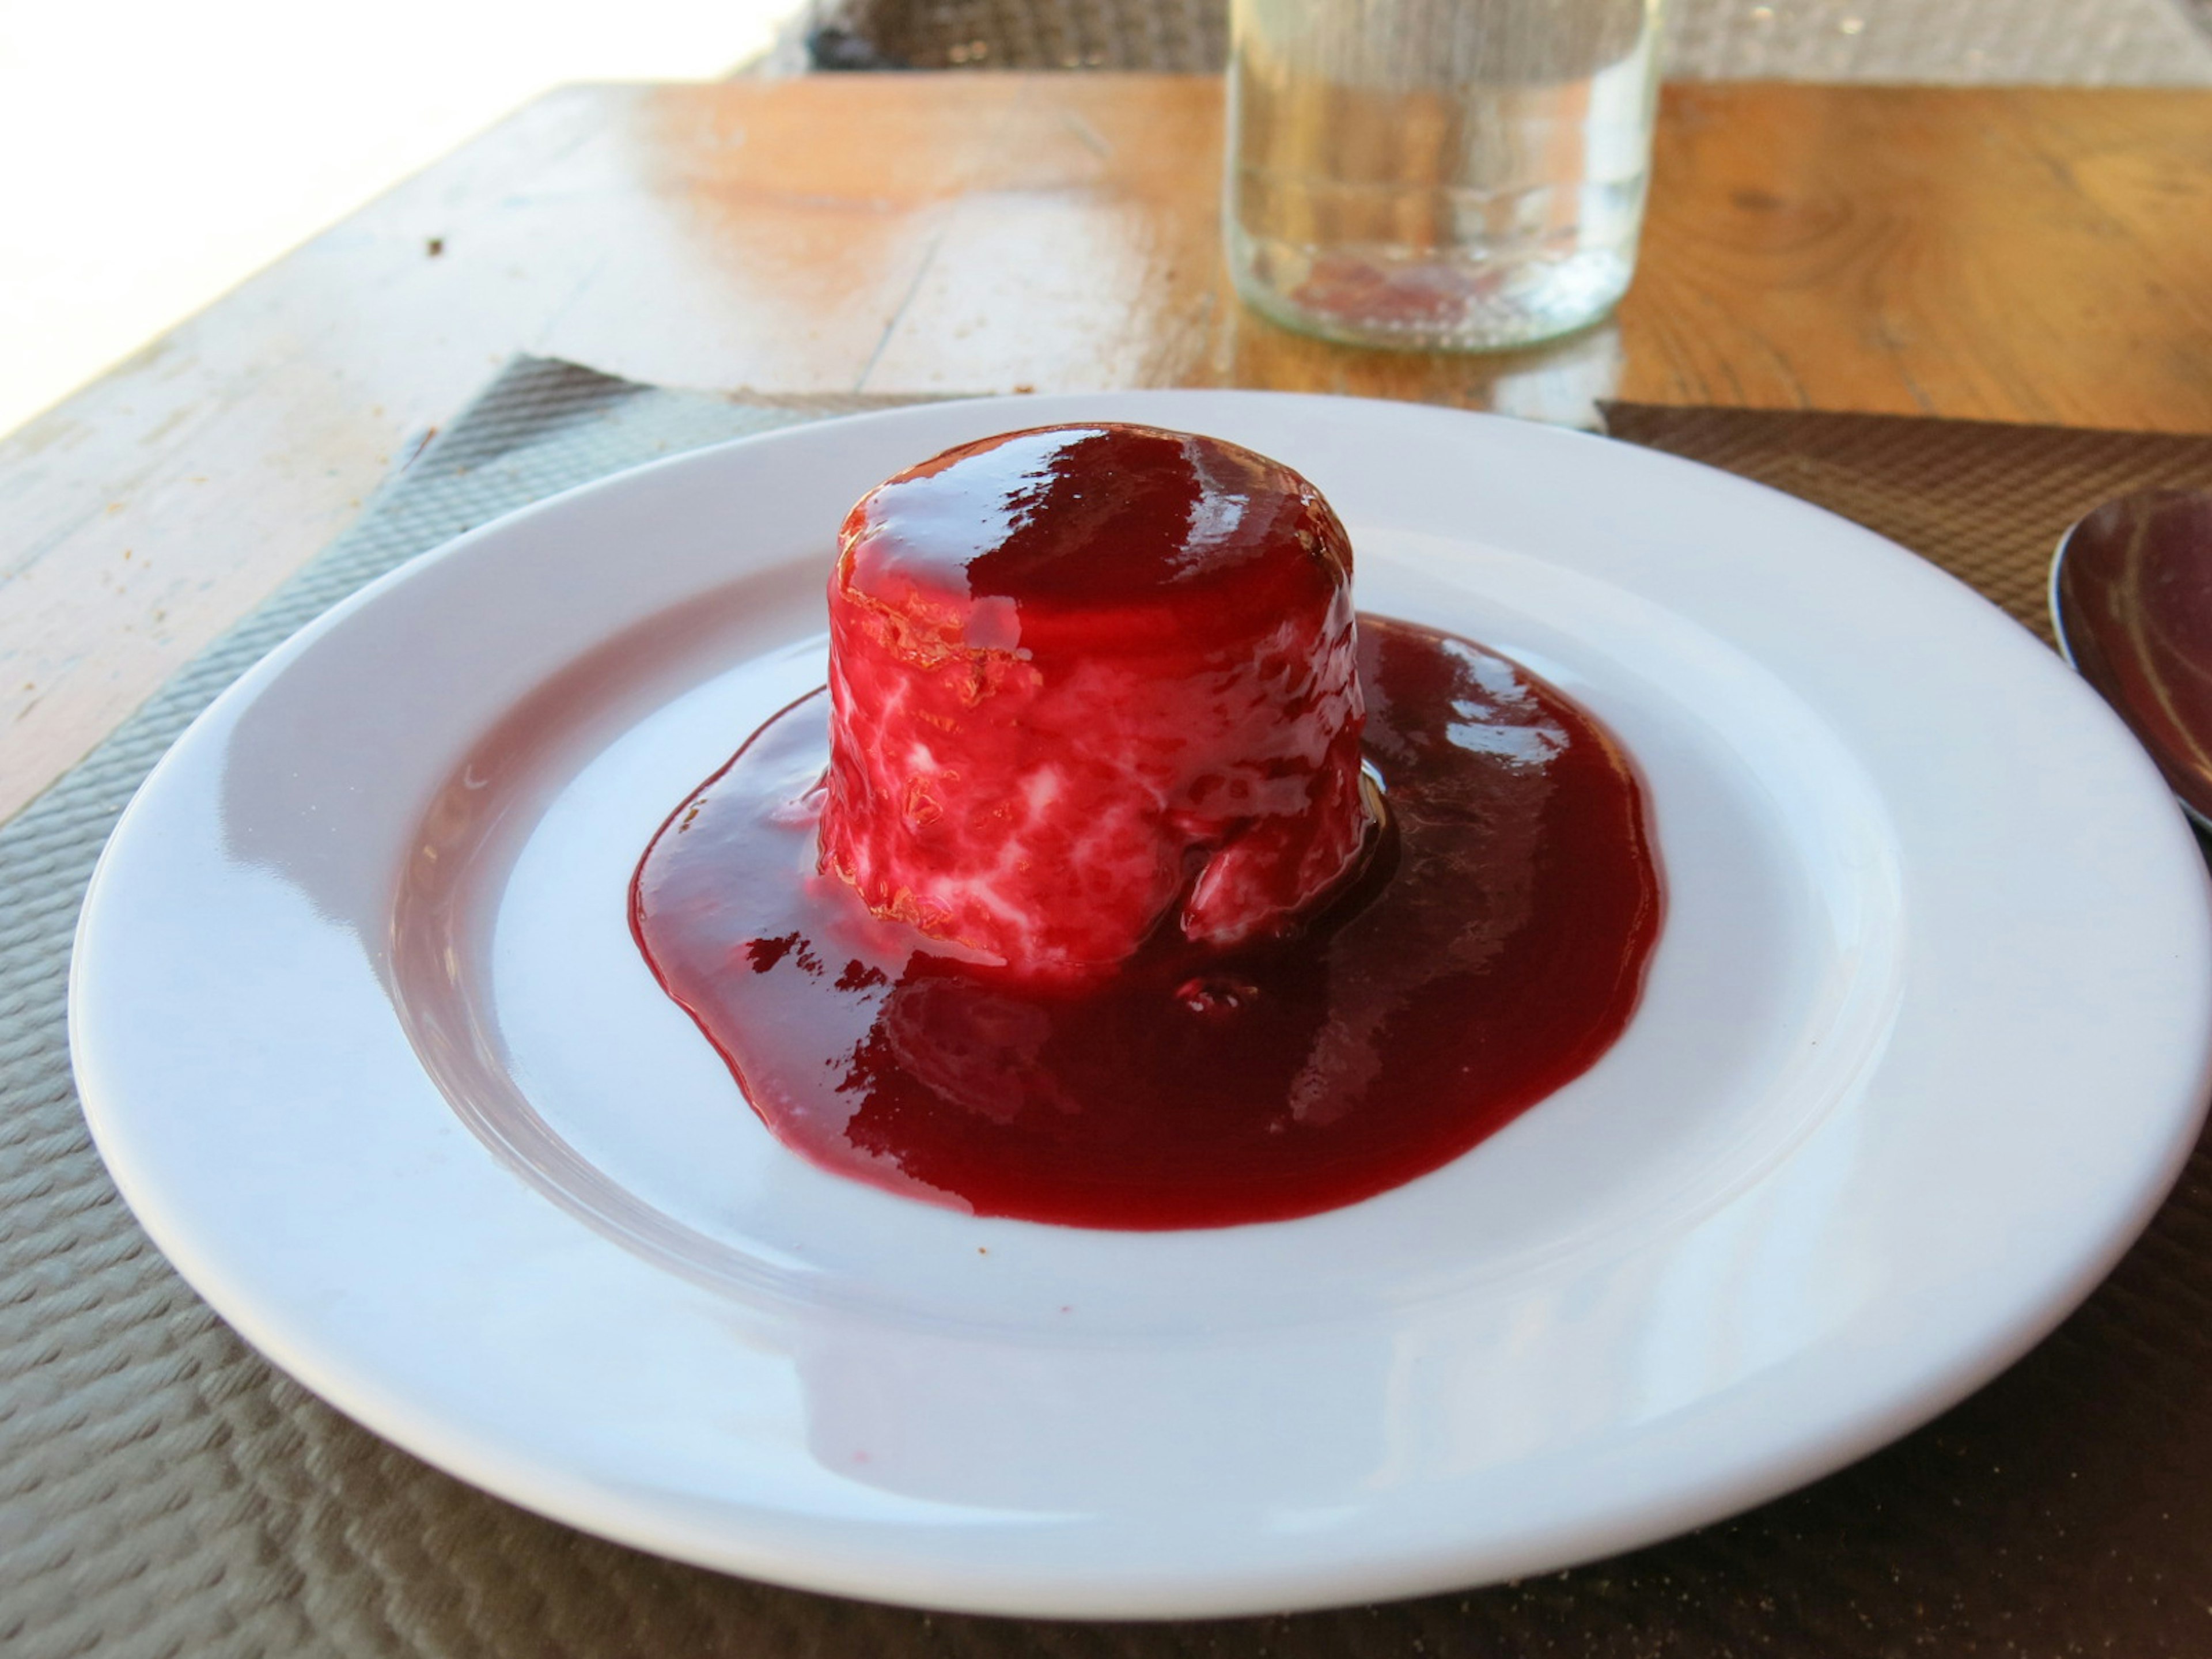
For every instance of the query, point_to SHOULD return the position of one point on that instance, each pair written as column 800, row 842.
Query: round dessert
column 1065, row 900
column 1082, row 676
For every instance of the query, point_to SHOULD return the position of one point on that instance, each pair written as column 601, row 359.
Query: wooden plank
column 2021, row 254
column 2010, row 254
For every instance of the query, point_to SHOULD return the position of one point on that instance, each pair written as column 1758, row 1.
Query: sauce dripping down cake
column 1070, row 898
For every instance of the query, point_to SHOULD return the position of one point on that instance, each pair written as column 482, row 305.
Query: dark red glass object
column 2132, row 597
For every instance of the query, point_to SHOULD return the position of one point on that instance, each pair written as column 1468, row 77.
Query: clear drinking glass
column 1458, row 173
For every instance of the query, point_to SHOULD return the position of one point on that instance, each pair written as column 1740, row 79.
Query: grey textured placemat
column 163, row 1491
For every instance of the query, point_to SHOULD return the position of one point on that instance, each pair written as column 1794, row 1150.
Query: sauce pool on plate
column 1249, row 995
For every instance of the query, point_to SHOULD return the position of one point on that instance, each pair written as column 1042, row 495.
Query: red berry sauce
column 1490, row 951
column 1082, row 675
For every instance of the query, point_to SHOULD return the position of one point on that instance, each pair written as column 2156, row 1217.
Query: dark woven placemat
column 163, row 1491
column 1986, row 501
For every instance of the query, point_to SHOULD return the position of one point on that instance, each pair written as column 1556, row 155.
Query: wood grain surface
column 2035, row 255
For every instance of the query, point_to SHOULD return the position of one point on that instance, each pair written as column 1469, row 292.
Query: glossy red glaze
column 1084, row 678
column 1492, row 950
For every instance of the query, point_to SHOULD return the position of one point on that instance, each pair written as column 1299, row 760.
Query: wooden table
column 2037, row 256
column 2031, row 255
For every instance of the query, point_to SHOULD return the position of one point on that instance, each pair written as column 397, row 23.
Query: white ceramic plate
column 363, row 1037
